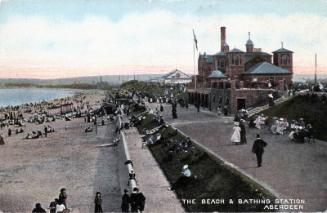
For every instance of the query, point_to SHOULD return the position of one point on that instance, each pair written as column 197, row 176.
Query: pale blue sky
column 104, row 36
column 115, row 9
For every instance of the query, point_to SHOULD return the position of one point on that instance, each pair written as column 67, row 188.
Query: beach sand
column 34, row 170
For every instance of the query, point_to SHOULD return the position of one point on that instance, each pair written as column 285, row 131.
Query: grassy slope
column 214, row 181
column 312, row 108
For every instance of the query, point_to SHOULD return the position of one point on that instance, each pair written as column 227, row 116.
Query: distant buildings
column 239, row 79
column 174, row 77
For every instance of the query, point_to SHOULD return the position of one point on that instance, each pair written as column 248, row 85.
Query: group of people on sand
column 59, row 205
column 38, row 133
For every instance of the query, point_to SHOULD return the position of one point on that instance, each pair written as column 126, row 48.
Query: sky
column 67, row 38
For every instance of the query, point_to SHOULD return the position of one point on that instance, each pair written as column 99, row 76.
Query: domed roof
column 249, row 42
column 217, row 74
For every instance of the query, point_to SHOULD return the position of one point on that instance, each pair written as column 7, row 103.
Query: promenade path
column 150, row 179
column 290, row 169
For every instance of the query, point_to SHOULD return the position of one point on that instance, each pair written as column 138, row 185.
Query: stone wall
column 252, row 97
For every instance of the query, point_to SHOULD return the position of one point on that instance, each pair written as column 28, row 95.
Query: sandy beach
column 34, row 170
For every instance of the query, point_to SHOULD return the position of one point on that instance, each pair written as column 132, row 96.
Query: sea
column 18, row 96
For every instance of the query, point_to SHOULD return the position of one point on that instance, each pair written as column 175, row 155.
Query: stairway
column 256, row 110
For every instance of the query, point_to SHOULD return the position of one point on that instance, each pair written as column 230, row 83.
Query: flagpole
column 316, row 69
column 194, row 67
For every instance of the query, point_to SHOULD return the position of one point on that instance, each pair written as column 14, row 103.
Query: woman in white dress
column 236, row 136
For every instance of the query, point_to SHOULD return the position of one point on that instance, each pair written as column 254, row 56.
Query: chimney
column 222, row 38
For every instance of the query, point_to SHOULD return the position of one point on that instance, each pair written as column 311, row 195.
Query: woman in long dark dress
column 243, row 132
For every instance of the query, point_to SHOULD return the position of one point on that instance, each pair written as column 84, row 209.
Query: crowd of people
column 59, row 205
column 15, row 118
column 297, row 130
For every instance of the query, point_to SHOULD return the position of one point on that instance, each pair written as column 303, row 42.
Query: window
column 285, row 59
column 227, row 101
column 237, row 60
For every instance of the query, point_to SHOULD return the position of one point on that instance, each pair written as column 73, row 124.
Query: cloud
column 155, row 41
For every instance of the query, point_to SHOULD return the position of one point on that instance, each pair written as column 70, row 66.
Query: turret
column 283, row 58
column 249, row 45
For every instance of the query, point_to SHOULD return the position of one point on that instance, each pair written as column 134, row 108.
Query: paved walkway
column 292, row 170
column 150, row 179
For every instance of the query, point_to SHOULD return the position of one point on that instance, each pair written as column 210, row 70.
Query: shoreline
column 73, row 92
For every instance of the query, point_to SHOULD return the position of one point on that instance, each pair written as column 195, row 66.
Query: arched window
column 237, row 60
column 285, row 59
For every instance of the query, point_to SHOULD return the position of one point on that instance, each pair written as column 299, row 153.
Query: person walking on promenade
column 98, row 203
column 137, row 201
column 258, row 149
column 243, row 132
column 133, row 200
column 63, row 197
column 125, row 201
column 140, row 201
column 236, row 136
column 174, row 110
